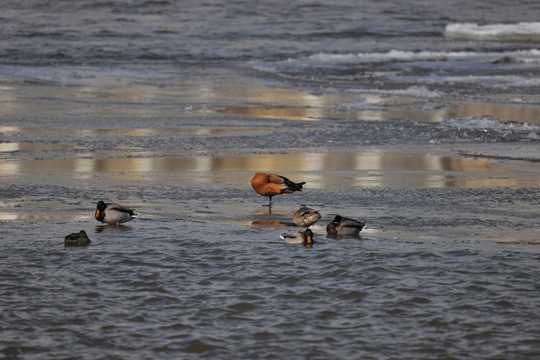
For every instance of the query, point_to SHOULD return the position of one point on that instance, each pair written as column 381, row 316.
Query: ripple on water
column 171, row 296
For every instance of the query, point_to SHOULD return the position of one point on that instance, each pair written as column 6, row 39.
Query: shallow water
column 444, row 269
column 125, row 296
column 401, row 115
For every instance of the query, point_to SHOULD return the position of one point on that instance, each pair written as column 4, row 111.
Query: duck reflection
column 268, row 223
column 342, row 237
column 112, row 228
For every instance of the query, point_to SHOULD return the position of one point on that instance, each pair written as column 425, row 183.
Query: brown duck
column 274, row 184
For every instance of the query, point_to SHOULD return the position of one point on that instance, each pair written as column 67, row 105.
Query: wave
column 530, row 56
column 392, row 55
column 525, row 31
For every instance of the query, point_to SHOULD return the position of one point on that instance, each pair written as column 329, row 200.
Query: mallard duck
column 344, row 226
column 274, row 184
column 77, row 239
column 304, row 237
column 305, row 217
column 113, row 214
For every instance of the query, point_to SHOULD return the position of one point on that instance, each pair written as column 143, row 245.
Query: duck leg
column 269, row 202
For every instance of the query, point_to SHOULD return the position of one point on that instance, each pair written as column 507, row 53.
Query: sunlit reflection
column 5, row 216
column 83, row 165
column 9, row 147
column 142, row 132
column 101, row 91
column 318, row 169
column 9, row 168
column 12, row 147
column 11, row 216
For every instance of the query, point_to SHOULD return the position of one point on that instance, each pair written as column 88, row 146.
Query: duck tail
column 292, row 186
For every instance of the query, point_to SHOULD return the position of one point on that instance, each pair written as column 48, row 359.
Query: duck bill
column 97, row 213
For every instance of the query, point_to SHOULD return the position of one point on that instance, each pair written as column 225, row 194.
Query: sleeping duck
column 344, row 226
column 305, row 217
column 274, row 184
column 304, row 237
column 113, row 214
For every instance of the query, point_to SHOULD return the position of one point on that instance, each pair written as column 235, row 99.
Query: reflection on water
column 110, row 133
column 37, row 216
column 112, row 228
column 505, row 112
column 348, row 169
column 268, row 223
column 12, row 147
column 250, row 97
column 7, row 216
column 344, row 237
column 299, row 105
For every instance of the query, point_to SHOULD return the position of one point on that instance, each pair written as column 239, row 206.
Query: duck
column 77, row 239
column 114, row 214
column 305, row 216
column 273, row 184
column 344, row 226
column 304, row 237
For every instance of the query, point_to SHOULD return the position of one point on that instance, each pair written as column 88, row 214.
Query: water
column 419, row 118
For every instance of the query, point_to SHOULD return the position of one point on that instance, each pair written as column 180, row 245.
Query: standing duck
column 305, row 217
column 344, row 226
column 274, row 184
column 113, row 214
column 304, row 237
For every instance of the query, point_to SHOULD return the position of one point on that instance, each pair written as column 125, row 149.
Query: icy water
column 420, row 118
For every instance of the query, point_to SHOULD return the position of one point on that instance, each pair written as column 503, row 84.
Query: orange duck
column 274, row 184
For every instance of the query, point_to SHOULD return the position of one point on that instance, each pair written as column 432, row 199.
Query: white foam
column 498, row 81
column 392, row 55
column 525, row 31
column 327, row 59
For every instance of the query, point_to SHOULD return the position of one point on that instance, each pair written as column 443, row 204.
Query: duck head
column 100, row 207
column 308, row 237
column 331, row 227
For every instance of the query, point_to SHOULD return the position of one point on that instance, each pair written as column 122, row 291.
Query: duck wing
column 288, row 185
column 305, row 216
column 118, row 207
column 292, row 238
column 351, row 223
column 291, row 185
